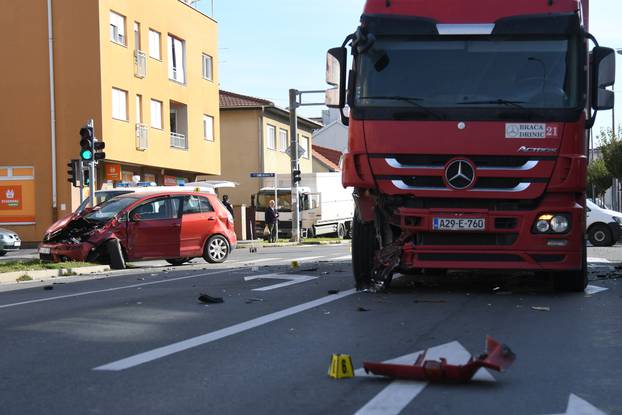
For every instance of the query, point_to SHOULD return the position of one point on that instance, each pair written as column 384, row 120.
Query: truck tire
column 363, row 251
column 341, row 231
column 599, row 234
column 2, row 253
column 115, row 253
column 575, row 280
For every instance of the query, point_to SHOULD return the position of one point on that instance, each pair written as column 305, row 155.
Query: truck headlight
column 560, row 224
column 552, row 224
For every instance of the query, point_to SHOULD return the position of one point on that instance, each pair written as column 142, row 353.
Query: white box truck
column 325, row 206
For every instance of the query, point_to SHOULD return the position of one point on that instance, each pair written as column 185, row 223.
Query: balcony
column 142, row 137
column 179, row 141
column 140, row 64
column 179, row 125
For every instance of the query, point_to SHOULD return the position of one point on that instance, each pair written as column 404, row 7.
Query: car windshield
column 508, row 73
column 101, row 197
column 110, row 209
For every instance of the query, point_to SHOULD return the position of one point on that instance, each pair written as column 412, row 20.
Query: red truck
column 468, row 136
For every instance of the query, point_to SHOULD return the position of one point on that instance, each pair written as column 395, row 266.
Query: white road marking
column 593, row 260
column 293, row 279
column 342, row 258
column 303, row 259
column 594, row 289
column 399, row 393
column 107, row 290
column 578, row 406
column 181, row 346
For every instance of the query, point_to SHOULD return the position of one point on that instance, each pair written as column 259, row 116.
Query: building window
column 304, row 143
column 208, row 127
column 137, row 36
column 176, row 60
column 283, row 140
column 119, row 104
column 154, row 45
column 139, row 109
column 156, row 114
column 207, row 67
column 271, row 137
column 117, row 28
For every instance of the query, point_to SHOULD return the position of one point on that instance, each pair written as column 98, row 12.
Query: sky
column 267, row 47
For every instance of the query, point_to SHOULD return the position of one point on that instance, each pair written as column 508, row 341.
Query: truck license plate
column 459, row 224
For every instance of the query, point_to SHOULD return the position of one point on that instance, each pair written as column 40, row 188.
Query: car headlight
column 618, row 219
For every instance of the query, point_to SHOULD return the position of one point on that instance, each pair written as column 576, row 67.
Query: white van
column 604, row 226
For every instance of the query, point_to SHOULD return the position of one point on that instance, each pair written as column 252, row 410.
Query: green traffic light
column 87, row 155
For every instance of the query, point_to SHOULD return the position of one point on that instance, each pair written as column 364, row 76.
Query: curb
column 47, row 274
column 245, row 245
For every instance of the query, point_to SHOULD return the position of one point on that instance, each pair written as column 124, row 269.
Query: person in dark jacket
column 271, row 218
column 225, row 201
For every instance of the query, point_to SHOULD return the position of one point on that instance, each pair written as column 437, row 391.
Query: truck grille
column 470, row 239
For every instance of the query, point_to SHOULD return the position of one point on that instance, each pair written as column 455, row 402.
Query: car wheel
column 363, row 251
column 178, row 261
column 216, row 249
column 3, row 253
column 115, row 253
column 576, row 280
column 600, row 235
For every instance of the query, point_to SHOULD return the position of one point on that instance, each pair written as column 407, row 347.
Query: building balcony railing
column 179, row 141
column 140, row 64
column 142, row 137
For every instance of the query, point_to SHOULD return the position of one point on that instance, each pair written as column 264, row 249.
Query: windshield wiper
column 499, row 101
column 411, row 100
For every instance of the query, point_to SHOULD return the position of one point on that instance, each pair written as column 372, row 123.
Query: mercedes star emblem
column 460, row 174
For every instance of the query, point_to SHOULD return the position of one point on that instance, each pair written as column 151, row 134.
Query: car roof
column 147, row 195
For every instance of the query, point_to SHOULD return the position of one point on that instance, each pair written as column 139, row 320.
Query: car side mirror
column 603, row 76
column 336, row 62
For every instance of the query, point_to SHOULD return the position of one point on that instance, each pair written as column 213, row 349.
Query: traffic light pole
column 293, row 127
column 81, row 164
column 91, row 166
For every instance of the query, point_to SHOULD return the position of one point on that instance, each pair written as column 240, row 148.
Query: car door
column 154, row 229
column 199, row 222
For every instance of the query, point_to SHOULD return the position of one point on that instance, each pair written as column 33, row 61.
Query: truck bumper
column 508, row 242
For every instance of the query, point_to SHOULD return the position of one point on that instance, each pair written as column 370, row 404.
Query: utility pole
column 293, row 128
column 295, row 101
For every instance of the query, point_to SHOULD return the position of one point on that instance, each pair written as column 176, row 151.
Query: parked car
column 604, row 226
column 9, row 241
column 175, row 226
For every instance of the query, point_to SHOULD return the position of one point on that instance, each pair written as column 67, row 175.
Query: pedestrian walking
column 225, row 201
column 271, row 217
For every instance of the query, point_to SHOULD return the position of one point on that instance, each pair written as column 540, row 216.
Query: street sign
column 260, row 175
column 301, row 151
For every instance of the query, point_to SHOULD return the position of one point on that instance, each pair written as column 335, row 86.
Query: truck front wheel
column 575, row 280
column 363, row 251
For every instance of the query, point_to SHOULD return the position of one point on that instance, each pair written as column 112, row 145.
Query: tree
column 612, row 152
column 598, row 177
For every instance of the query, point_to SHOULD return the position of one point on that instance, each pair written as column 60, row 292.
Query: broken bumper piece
column 498, row 357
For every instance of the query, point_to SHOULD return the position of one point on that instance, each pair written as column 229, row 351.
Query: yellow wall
column 241, row 156
column 200, row 95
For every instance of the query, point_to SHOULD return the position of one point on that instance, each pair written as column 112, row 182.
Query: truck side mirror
column 603, row 76
column 336, row 62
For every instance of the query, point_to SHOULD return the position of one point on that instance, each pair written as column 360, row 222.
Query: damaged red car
column 176, row 227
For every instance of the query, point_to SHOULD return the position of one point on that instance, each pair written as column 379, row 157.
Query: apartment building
column 144, row 70
column 255, row 138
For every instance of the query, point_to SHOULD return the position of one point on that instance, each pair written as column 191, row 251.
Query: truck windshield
column 284, row 202
column 463, row 73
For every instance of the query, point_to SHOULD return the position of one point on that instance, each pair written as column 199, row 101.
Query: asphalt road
column 140, row 342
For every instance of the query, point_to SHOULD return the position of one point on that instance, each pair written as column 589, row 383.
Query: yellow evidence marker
column 341, row 367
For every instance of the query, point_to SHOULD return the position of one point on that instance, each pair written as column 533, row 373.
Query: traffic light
column 98, row 146
column 87, row 177
column 297, row 177
column 73, row 172
column 86, row 143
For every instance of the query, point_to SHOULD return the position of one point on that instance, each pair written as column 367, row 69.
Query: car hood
column 59, row 224
column 6, row 231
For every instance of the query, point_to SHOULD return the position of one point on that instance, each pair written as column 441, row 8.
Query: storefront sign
column 150, row 178
column 127, row 176
column 170, row 181
column 113, row 171
column 11, row 198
